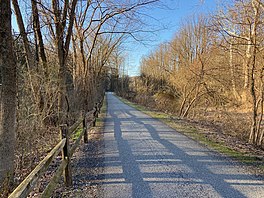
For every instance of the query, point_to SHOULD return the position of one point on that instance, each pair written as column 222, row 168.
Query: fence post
column 100, row 105
column 94, row 117
column 94, row 122
column 66, row 155
column 85, row 128
column 97, row 110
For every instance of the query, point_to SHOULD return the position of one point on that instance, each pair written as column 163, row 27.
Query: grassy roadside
column 99, row 122
column 197, row 134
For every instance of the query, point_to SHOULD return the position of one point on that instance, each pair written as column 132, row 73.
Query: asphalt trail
column 144, row 158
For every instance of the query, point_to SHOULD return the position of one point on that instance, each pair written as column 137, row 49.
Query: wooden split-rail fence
column 64, row 169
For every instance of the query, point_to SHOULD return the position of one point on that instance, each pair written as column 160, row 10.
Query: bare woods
column 212, row 70
column 64, row 52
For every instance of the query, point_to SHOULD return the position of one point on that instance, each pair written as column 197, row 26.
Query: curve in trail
column 144, row 158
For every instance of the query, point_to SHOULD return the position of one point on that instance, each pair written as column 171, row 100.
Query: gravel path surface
column 87, row 169
column 140, row 157
column 144, row 158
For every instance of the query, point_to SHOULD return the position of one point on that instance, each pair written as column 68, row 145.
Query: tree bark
column 232, row 70
column 8, row 95
column 38, row 34
column 62, row 50
column 26, row 45
column 252, row 62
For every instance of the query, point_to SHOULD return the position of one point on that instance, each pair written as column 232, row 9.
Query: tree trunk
column 186, row 112
column 62, row 50
column 232, row 70
column 38, row 35
column 251, row 55
column 28, row 54
column 260, row 129
column 8, row 96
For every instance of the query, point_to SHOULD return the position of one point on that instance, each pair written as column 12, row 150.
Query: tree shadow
column 154, row 159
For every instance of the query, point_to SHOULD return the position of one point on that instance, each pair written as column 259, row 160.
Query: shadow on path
column 131, row 170
column 153, row 156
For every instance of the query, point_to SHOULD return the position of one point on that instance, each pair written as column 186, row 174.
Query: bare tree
column 242, row 24
column 28, row 52
column 8, row 96
column 39, row 38
column 63, row 20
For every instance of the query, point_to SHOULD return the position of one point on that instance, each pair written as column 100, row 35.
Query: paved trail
column 144, row 158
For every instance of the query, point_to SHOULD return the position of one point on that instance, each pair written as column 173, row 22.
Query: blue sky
column 178, row 12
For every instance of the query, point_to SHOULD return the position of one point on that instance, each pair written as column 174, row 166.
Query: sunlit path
column 145, row 158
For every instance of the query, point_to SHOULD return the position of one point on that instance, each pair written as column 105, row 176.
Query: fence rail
column 26, row 186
